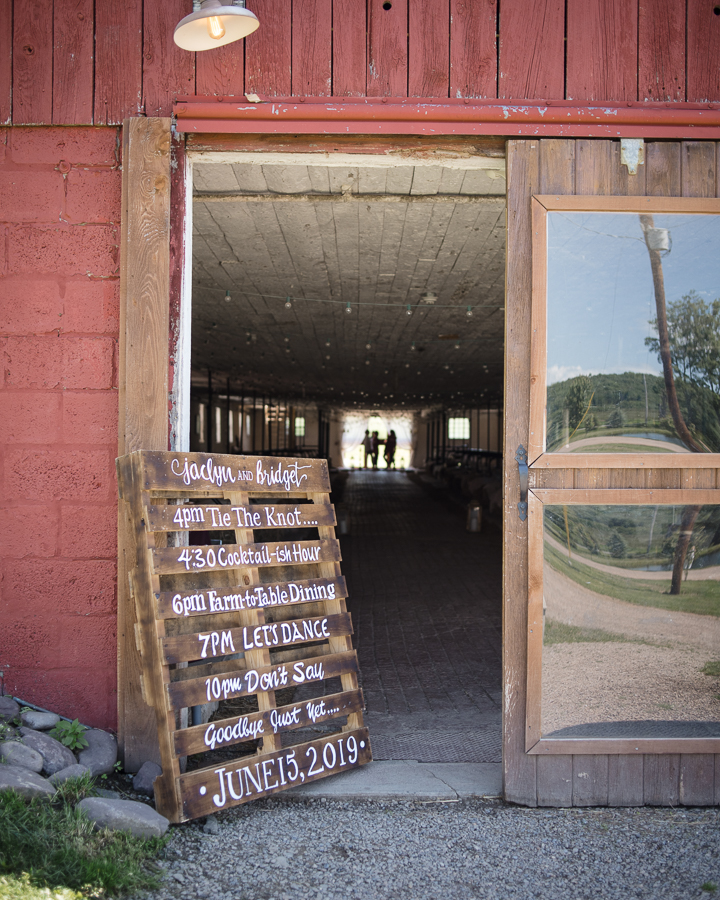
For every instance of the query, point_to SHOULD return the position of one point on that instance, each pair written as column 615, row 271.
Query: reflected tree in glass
column 633, row 360
column 623, row 655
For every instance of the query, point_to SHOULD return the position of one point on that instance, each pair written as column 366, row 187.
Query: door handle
column 522, row 461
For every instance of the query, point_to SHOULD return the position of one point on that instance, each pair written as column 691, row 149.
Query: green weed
column 709, row 886
column 70, row 733
column 711, row 668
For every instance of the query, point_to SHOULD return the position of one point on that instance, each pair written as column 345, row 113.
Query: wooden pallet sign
column 238, row 593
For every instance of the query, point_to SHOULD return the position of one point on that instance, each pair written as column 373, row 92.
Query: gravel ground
column 615, row 682
column 290, row 850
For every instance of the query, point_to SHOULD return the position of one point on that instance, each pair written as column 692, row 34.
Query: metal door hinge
column 522, row 461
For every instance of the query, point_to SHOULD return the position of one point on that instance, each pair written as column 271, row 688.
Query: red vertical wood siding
column 532, row 50
column 167, row 70
column 221, row 72
column 73, row 63
column 387, row 49
column 602, row 50
column 703, row 47
column 32, row 63
column 268, row 51
column 312, row 48
column 429, row 48
column 118, row 60
column 473, row 48
column 59, row 66
column 661, row 53
column 349, row 48
column 6, row 42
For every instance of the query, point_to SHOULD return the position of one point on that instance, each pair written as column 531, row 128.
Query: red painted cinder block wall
column 59, row 255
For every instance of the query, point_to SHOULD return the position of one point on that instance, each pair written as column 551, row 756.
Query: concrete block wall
column 59, row 301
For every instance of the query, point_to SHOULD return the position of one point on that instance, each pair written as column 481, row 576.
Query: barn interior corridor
column 425, row 600
column 335, row 295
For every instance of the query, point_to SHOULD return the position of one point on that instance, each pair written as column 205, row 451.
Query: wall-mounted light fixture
column 214, row 24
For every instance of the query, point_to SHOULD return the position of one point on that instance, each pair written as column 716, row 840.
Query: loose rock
column 24, row 782
column 13, row 753
column 39, row 721
column 9, row 709
column 56, row 756
column 101, row 753
column 62, row 776
column 124, row 815
column 143, row 781
column 211, row 826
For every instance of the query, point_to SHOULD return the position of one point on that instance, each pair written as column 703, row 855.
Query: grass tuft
column 560, row 633
column 709, row 886
column 712, row 668
column 47, row 845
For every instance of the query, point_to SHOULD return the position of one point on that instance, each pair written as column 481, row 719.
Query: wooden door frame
column 153, row 266
column 143, row 380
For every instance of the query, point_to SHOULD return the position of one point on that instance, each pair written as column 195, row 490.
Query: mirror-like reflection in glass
column 633, row 334
column 631, row 637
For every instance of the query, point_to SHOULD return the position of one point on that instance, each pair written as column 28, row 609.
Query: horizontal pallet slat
column 208, row 471
column 206, row 791
column 195, row 691
column 226, row 732
column 193, row 517
column 267, row 636
column 225, row 557
column 206, row 601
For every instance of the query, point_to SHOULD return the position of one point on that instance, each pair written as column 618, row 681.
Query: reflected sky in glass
column 600, row 288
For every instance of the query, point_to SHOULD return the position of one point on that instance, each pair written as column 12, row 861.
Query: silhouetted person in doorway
column 374, row 448
column 367, row 446
column 390, row 445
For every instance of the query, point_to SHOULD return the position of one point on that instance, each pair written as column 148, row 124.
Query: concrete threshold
column 408, row 780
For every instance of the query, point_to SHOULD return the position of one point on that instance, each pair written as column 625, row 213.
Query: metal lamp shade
column 192, row 33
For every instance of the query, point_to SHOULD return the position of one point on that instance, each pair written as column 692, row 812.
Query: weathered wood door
column 630, row 773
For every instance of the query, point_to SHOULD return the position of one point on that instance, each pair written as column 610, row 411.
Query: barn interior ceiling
column 369, row 282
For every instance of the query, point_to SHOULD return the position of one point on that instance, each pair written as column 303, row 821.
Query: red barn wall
column 85, row 63
column 60, row 209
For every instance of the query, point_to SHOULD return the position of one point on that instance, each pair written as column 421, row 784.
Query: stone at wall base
column 143, row 781
column 56, row 756
column 9, row 709
column 24, row 782
column 124, row 815
column 101, row 754
column 13, row 753
column 39, row 721
column 74, row 771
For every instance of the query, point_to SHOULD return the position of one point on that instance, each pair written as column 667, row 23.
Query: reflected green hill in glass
column 593, row 408
column 699, row 597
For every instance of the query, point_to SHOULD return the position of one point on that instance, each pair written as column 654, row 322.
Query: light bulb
column 215, row 27
column 409, row 310
column 348, row 308
column 469, row 311
column 288, row 303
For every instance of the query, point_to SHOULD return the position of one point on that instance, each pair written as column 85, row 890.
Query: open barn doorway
column 339, row 295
